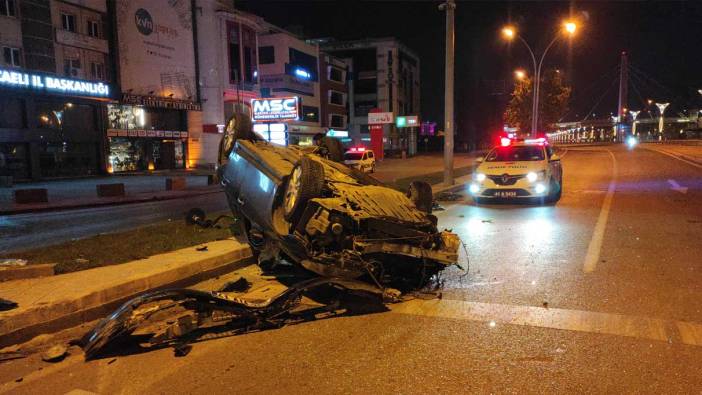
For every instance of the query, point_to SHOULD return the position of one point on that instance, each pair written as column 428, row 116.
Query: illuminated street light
column 633, row 121
column 510, row 33
column 519, row 74
column 661, row 109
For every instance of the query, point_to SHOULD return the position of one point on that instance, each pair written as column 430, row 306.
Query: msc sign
column 276, row 109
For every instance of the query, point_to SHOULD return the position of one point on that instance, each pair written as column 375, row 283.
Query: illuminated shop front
column 143, row 139
column 50, row 127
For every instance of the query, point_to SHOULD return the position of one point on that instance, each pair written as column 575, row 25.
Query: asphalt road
column 25, row 231
column 597, row 294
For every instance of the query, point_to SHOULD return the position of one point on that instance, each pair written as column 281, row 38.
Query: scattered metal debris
column 197, row 216
column 7, row 304
column 449, row 196
column 202, row 248
column 486, row 221
column 55, row 353
column 177, row 316
column 239, row 285
column 182, row 349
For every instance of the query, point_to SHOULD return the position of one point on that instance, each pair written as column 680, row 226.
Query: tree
column 553, row 103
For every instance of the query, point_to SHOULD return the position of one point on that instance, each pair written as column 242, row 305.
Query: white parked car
column 525, row 169
column 360, row 158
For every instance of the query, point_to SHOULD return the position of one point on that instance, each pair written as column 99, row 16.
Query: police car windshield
column 515, row 154
column 353, row 155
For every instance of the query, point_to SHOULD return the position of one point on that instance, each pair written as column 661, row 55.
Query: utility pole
column 449, row 7
column 623, row 94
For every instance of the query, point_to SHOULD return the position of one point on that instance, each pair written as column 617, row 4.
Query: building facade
column 228, row 57
column 385, row 75
column 334, row 96
column 55, row 85
column 289, row 67
column 158, row 111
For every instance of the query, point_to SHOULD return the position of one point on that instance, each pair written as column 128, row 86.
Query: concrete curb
column 78, row 306
column 99, row 202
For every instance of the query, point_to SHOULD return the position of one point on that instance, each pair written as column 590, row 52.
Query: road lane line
column 661, row 151
column 563, row 319
column 593, row 250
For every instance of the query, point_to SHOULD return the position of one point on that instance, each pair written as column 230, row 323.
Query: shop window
column 94, row 29
column 71, row 67
column 73, row 120
column 162, row 119
column 126, row 117
column 97, row 71
column 68, row 22
column 337, row 98
column 266, row 55
column 7, row 8
column 310, row 114
column 337, row 121
column 11, row 56
column 66, row 158
column 11, row 113
column 14, row 160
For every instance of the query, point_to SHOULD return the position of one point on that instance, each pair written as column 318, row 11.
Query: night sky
column 663, row 41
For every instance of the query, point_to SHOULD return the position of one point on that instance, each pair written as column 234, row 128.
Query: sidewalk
column 48, row 304
column 75, row 193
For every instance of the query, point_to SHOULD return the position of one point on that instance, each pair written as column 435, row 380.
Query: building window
column 94, row 29
column 69, row 22
column 11, row 56
column 97, row 71
column 336, row 74
column 266, row 55
column 310, row 114
column 364, row 129
column 301, row 62
column 337, row 121
column 337, row 98
column 7, row 8
column 71, row 67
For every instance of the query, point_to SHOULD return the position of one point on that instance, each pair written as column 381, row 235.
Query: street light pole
column 661, row 108
column 449, row 7
column 537, row 84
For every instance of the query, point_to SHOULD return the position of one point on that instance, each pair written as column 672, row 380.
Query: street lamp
column 661, row 109
column 519, row 74
column 509, row 33
column 633, row 121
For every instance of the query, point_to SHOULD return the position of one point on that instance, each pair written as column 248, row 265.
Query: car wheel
column 420, row 194
column 304, row 183
column 555, row 191
column 372, row 170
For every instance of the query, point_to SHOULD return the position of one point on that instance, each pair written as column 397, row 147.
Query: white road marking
column 593, row 250
column 553, row 318
column 674, row 156
column 676, row 187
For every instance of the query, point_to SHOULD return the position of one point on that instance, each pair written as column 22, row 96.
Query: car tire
column 421, row 195
column 372, row 170
column 304, row 183
column 554, row 197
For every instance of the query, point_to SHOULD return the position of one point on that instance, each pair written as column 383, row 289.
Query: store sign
column 160, row 102
column 276, row 109
column 338, row 133
column 156, row 48
column 407, row 121
column 146, row 133
column 51, row 84
column 380, row 117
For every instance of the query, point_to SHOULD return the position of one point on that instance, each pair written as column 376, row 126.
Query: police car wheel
column 555, row 190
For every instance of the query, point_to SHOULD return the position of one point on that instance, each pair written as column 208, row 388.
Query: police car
column 361, row 158
column 518, row 169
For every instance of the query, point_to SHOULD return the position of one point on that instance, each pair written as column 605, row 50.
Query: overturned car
column 292, row 203
column 331, row 219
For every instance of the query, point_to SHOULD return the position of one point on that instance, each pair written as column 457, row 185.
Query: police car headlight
column 533, row 176
column 480, row 177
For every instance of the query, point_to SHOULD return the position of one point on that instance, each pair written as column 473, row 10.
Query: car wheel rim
column 292, row 190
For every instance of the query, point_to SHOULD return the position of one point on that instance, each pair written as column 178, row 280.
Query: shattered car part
column 328, row 218
column 172, row 316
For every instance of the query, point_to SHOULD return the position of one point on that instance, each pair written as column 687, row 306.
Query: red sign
column 376, row 132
